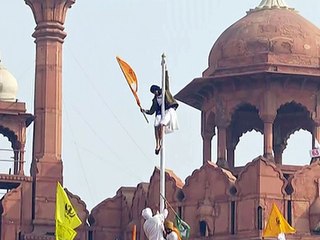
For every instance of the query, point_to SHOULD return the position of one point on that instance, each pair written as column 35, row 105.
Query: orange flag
column 132, row 80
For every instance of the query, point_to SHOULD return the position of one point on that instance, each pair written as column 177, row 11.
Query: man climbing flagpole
column 164, row 107
column 162, row 154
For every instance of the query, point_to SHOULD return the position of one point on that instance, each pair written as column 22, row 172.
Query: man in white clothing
column 154, row 225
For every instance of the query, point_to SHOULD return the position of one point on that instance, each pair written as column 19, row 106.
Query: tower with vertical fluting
column 46, row 167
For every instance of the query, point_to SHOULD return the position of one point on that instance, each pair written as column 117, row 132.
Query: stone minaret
column 46, row 167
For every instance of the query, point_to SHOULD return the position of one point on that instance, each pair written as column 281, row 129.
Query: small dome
column 269, row 38
column 8, row 85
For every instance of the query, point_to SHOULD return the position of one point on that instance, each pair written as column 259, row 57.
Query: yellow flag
column 66, row 216
column 64, row 233
column 277, row 224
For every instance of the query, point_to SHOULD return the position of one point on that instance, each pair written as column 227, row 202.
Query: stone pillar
column 278, row 150
column 230, row 157
column 222, row 121
column 207, row 132
column 315, row 140
column 222, row 144
column 279, row 143
column 316, row 119
column 316, row 134
column 46, row 166
column 268, row 136
column 21, row 158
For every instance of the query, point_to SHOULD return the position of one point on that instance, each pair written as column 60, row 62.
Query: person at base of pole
column 154, row 225
column 171, row 232
column 170, row 120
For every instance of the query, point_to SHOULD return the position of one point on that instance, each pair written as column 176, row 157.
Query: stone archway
column 290, row 118
column 245, row 118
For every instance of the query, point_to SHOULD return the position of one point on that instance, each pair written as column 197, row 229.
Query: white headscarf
column 153, row 226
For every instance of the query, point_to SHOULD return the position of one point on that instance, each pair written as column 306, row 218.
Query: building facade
column 263, row 75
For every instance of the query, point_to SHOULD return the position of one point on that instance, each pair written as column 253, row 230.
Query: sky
column 106, row 141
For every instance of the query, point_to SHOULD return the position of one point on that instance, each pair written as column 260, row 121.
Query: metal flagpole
column 162, row 152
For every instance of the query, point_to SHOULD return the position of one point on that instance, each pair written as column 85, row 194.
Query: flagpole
column 162, row 152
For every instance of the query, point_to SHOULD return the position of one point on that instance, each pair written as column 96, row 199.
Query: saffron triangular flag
column 132, row 80
column 66, row 217
column 277, row 224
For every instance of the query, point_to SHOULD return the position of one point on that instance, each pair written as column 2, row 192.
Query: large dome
column 8, row 85
column 266, row 39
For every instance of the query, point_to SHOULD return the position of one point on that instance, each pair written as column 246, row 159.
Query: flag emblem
column 66, row 217
column 277, row 224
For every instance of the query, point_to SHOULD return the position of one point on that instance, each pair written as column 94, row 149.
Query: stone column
column 268, row 136
column 222, row 121
column 231, row 146
column 316, row 134
column 279, row 143
column 46, row 166
column 207, row 132
column 21, row 158
column 222, row 147
column 278, row 150
column 315, row 140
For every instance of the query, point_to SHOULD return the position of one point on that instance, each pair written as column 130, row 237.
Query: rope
column 107, row 106
column 166, row 201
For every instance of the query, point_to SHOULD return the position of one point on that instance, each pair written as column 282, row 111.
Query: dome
column 8, row 85
column 269, row 38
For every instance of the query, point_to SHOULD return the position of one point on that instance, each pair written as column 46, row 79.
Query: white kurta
column 281, row 236
column 153, row 226
column 172, row 236
column 170, row 120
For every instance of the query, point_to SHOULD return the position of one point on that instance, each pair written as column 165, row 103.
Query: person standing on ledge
column 170, row 120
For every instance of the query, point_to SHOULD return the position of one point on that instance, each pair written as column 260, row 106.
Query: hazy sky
column 106, row 141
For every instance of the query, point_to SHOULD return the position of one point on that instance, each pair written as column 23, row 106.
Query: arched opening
column 260, row 218
column 233, row 217
column 204, row 231
column 249, row 147
column 292, row 138
column 6, row 156
column 244, row 139
column 297, row 149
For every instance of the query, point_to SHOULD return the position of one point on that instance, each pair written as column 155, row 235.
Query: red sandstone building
column 263, row 74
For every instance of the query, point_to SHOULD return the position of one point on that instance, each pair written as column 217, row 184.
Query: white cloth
column 153, row 226
column 281, row 236
column 170, row 120
column 172, row 236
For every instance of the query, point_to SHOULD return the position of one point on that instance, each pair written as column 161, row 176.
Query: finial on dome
column 271, row 4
